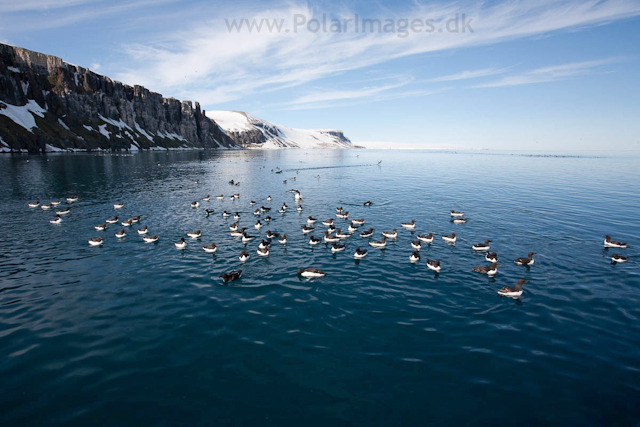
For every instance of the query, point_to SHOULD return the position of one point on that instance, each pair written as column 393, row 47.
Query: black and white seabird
column 488, row 270
column 491, row 257
column 367, row 233
column 267, row 218
column 120, row 234
column 513, row 291
column 238, row 233
column 271, row 235
column 415, row 256
column 341, row 235
column 314, row 240
column 482, row 246
column 100, row 227
column 352, row 227
column 457, row 214
column 458, row 220
column 409, row 225
column 358, row 221
column 336, row 247
column 96, row 241
column 119, row 205
column 343, row 215
column 56, row 220
column 226, row 214
column 263, row 251
column 195, row 204
column 359, row 253
column 45, row 207
column 231, row 276
column 426, row 238
column 247, row 238
column 150, row 239
column 329, row 238
column 253, row 202
column 257, row 212
column 112, row 220
column 263, row 244
column 528, row 260
column 63, row 212
column 210, row 248
column 257, row 225
column 236, row 216
column 135, row 219
column 126, row 223
column 209, row 211
column 268, row 198
column 618, row 258
column 311, row 273
column 307, row 229
column 327, row 222
column 608, row 243
column 220, row 197
column 72, row 199
column 55, row 203
column 233, row 227
column 416, row 245
column 244, row 256
column 206, row 198
column 194, row 234
column 143, row 230
column 390, row 234
column 379, row 243
column 34, row 204
column 283, row 240
column 449, row 238
column 181, row 244
column 433, row 265
column 367, row 203
column 311, row 220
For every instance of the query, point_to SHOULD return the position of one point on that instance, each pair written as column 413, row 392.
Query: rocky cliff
column 251, row 132
column 47, row 104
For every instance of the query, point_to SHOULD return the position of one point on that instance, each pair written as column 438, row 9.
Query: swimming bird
column 282, row 210
column 231, row 276
column 415, row 256
column 331, row 229
column 251, row 203
column 120, row 234
column 267, row 218
column 297, row 196
column 100, row 227
column 343, row 215
column 96, row 241
column 337, row 248
column 433, row 265
column 268, row 198
column 358, row 221
column 513, row 291
column 244, row 256
column 379, row 243
column 367, row 233
column 236, row 216
column 257, row 212
column 238, row 233
column 197, row 181
column 327, row 222
column 247, row 238
column 608, row 243
column 352, row 228
column 416, row 245
column 72, row 199
column 233, row 227
column 263, row 244
column 263, row 252
column 449, row 238
column 150, row 239
column 45, row 207
column 457, row 214
column 194, row 234
column 283, row 240
column 237, row 195
column 491, row 257
column 119, row 205
column 112, row 220
column 307, row 229
column 56, row 220
column 55, row 203
column 311, row 273
column 314, row 240
column 299, row 208
column 311, row 220
column 481, row 246
column 126, row 223
column 195, row 204
column 284, row 181
column 390, row 234
column 206, row 198
column 458, row 220
column 339, row 209
column 220, row 197
column 210, row 248
column 359, row 253
column 257, row 225
column 618, row 258
column 181, row 244
column 135, row 218
column 367, row 203
column 528, row 260
column 271, row 235
column 329, row 238
column 143, row 230
column 209, row 211
column 265, row 209
column 341, row 235
column 409, row 225
column 63, row 212
column 488, row 270
column 226, row 214
column 34, row 204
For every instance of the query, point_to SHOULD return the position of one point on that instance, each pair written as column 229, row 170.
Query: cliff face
column 47, row 104
column 251, row 132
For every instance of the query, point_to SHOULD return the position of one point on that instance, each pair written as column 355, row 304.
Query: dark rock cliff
column 75, row 108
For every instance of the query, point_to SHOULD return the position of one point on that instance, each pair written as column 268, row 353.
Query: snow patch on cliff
column 22, row 114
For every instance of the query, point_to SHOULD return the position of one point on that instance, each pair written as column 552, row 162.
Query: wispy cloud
column 469, row 74
column 39, row 5
column 551, row 74
column 214, row 65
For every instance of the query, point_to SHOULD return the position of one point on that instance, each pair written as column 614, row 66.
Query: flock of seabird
column 331, row 236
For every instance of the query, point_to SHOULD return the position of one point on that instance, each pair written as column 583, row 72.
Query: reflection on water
column 148, row 333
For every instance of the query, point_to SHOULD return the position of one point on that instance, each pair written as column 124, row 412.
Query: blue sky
column 531, row 75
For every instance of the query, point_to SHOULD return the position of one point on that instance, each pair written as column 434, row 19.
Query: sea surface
column 145, row 334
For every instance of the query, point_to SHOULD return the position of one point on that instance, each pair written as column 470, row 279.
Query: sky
column 509, row 75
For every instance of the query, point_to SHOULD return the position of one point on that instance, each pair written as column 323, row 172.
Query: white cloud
column 469, row 74
column 38, row 5
column 550, row 74
column 94, row 66
column 213, row 65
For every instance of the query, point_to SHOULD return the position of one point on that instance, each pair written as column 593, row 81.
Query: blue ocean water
column 132, row 333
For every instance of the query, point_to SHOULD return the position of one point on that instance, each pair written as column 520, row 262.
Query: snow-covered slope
column 251, row 132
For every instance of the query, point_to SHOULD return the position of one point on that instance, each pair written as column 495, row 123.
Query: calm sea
column 144, row 334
